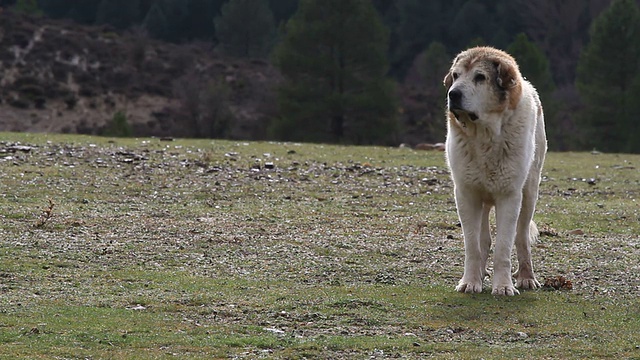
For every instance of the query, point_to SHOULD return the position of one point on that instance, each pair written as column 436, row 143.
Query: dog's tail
column 534, row 234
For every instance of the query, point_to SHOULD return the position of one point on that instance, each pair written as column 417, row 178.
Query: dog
column 495, row 149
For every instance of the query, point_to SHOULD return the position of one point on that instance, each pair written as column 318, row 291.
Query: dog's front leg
column 507, row 210
column 470, row 212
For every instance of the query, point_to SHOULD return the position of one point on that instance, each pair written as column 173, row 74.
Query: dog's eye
column 455, row 75
column 479, row 78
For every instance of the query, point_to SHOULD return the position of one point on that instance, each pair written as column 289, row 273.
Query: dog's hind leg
column 485, row 237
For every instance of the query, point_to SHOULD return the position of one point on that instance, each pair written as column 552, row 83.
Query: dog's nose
column 455, row 98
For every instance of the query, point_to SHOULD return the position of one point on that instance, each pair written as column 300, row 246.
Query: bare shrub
column 203, row 105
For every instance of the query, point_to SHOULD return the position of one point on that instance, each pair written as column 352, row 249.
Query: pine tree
column 333, row 57
column 166, row 19
column 607, row 76
column 155, row 22
column 118, row 126
column 84, row 11
column 423, row 96
column 56, row 8
column 29, row 7
column 119, row 13
column 633, row 130
column 535, row 67
column 533, row 64
column 419, row 23
column 434, row 64
column 198, row 22
column 283, row 9
column 246, row 28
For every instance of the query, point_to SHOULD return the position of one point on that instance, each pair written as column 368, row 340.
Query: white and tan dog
column 495, row 146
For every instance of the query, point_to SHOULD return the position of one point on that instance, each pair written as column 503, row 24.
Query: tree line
column 364, row 71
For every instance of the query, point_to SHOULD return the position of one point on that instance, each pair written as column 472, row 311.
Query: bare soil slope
column 58, row 76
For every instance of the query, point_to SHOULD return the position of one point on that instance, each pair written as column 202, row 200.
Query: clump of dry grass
column 45, row 215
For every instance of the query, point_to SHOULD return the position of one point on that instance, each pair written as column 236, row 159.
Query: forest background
column 370, row 71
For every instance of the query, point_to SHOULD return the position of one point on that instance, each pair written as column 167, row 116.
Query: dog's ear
column 508, row 79
column 507, row 73
column 448, row 80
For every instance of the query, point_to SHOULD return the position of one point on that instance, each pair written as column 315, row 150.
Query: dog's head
column 481, row 81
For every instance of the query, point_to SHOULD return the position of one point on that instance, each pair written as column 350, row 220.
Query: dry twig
column 47, row 214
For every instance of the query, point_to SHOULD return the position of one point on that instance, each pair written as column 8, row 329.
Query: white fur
column 496, row 161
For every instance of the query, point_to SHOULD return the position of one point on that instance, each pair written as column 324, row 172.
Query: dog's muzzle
column 455, row 105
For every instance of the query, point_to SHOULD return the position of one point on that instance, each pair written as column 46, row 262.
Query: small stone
column 274, row 330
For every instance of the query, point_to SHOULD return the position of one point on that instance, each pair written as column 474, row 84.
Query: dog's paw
column 469, row 287
column 526, row 280
column 527, row 283
column 505, row 290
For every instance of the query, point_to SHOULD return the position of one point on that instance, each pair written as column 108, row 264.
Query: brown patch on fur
column 509, row 77
column 514, row 96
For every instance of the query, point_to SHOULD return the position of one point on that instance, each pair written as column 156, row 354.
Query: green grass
column 196, row 249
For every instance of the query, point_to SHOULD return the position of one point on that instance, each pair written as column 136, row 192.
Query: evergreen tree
column 119, row 13
column 424, row 96
column 246, row 28
column 166, row 19
column 333, row 57
column 84, row 11
column 533, row 64
column 472, row 21
column 419, row 23
column 535, row 67
column 494, row 21
column 56, row 8
column 29, row 7
column 155, row 22
column 118, row 126
column 632, row 143
column 198, row 24
column 607, row 79
column 283, row 9
column 435, row 64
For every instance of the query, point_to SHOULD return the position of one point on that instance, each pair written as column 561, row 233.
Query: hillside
column 58, row 76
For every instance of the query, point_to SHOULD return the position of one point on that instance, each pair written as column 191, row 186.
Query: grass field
column 146, row 249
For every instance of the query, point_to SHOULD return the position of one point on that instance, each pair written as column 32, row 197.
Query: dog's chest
column 489, row 166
